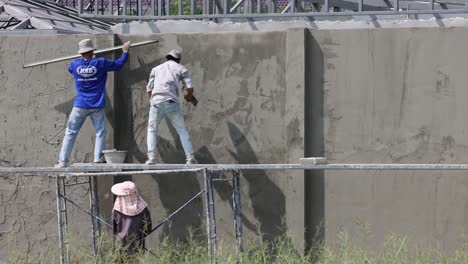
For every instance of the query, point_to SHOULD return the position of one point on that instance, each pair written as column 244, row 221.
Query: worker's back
column 90, row 80
column 167, row 77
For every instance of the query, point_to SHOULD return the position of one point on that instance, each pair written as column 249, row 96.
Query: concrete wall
column 390, row 96
column 34, row 108
column 247, row 113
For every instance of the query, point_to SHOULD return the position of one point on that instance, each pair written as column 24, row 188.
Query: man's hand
column 126, row 46
column 150, row 93
column 189, row 96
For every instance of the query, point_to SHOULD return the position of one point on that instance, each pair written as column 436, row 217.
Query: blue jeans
column 174, row 114
column 76, row 120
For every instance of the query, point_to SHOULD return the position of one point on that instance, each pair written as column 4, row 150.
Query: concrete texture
column 368, row 95
column 242, row 117
column 34, row 108
column 392, row 96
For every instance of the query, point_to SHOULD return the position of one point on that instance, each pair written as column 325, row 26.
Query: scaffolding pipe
column 207, row 212
column 120, row 173
column 59, row 220
column 111, row 169
column 96, row 52
column 86, row 211
column 175, row 212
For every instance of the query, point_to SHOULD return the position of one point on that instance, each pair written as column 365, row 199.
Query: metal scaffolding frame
column 262, row 9
column 62, row 200
column 53, row 16
column 92, row 171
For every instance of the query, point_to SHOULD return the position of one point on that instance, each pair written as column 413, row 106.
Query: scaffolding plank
column 82, row 167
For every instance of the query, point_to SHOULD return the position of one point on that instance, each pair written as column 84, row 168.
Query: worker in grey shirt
column 163, row 89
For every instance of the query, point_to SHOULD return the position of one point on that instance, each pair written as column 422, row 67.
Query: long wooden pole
column 34, row 64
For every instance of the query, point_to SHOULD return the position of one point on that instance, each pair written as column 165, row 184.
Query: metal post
column 271, row 4
column 192, row 7
column 396, row 5
column 59, row 218
column 153, row 7
column 179, row 5
column 80, row 7
column 326, row 6
column 139, row 8
column 62, row 220
column 214, row 241
column 293, row 6
column 160, row 7
column 237, row 209
column 124, row 7
column 65, row 223
column 111, row 7
column 168, row 7
column 259, row 6
column 246, row 6
column 94, row 209
column 361, row 2
column 207, row 211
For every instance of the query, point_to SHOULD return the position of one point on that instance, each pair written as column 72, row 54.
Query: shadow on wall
column 176, row 189
column 268, row 201
column 126, row 111
column 314, row 181
column 184, row 185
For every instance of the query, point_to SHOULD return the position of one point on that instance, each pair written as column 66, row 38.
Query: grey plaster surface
column 34, row 108
column 242, row 117
column 354, row 96
column 393, row 96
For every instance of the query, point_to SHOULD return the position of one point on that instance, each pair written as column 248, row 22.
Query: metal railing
column 259, row 9
column 96, row 170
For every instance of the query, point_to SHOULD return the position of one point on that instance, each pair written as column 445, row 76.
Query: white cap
column 175, row 53
column 86, row 45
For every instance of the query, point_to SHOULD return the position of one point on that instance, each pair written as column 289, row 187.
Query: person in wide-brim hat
column 131, row 219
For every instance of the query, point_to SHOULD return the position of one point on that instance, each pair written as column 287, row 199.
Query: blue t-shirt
column 90, row 79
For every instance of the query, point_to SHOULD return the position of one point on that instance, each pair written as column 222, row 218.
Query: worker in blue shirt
column 90, row 81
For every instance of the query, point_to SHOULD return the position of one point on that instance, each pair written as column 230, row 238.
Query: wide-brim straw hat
column 86, row 45
column 124, row 188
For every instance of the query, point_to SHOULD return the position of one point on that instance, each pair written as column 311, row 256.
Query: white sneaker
column 61, row 164
column 150, row 162
column 191, row 161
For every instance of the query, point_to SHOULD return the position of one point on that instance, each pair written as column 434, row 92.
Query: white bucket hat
column 86, row 45
column 175, row 53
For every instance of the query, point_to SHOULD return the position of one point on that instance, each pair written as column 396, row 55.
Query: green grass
column 395, row 251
